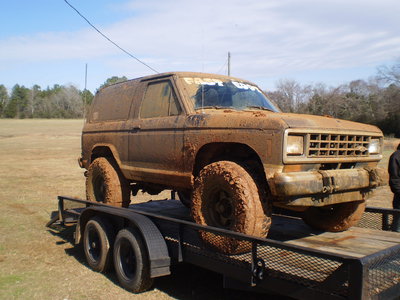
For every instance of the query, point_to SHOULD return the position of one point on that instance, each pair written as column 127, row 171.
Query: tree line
column 375, row 101
column 53, row 102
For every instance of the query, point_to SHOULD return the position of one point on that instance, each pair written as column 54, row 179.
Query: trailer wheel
column 105, row 183
column 98, row 239
column 226, row 195
column 131, row 261
column 336, row 217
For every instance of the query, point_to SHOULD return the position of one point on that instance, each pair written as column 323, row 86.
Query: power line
column 223, row 67
column 108, row 39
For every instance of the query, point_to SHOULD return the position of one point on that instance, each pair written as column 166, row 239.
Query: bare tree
column 290, row 95
column 390, row 74
column 3, row 98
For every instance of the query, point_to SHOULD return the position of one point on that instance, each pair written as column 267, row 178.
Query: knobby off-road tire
column 131, row 261
column 105, row 183
column 226, row 195
column 336, row 217
column 98, row 239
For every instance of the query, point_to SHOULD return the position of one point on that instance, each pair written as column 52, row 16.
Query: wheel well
column 235, row 152
column 101, row 151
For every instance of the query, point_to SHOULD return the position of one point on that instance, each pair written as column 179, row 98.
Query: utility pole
column 85, row 76
column 229, row 64
column 85, row 94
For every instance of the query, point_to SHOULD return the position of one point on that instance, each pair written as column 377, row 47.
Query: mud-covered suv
column 228, row 151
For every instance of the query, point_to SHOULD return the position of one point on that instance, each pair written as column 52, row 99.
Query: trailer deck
column 356, row 242
column 295, row 260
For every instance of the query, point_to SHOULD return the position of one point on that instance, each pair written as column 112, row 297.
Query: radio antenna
column 229, row 64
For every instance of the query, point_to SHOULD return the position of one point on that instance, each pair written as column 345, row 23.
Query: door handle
column 135, row 128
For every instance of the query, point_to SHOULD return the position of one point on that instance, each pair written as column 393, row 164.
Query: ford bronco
column 228, row 151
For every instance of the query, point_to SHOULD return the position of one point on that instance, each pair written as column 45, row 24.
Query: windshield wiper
column 259, row 107
column 213, row 107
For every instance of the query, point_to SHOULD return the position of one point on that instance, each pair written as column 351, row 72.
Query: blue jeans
column 396, row 219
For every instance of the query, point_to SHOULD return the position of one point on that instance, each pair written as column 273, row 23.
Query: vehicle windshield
column 225, row 93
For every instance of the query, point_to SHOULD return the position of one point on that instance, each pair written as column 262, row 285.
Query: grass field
column 39, row 162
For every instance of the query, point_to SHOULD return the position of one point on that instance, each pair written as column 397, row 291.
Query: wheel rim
column 93, row 244
column 99, row 188
column 127, row 260
column 222, row 210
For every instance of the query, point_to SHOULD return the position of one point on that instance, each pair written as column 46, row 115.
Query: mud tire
column 336, row 217
column 98, row 239
column 105, row 183
column 225, row 195
column 131, row 261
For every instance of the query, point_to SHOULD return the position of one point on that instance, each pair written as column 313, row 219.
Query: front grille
column 337, row 145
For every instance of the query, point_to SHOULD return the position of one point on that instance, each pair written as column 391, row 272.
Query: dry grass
column 39, row 162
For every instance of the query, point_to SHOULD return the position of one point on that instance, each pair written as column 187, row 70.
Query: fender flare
column 157, row 249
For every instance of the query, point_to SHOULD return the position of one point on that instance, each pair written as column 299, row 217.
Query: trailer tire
column 131, row 261
column 98, row 239
column 105, row 183
column 336, row 217
column 226, row 195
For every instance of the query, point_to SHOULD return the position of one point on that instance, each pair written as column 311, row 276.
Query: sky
column 45, row 42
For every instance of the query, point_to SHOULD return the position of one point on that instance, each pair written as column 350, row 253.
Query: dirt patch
column 6, row 136
column 21, row 208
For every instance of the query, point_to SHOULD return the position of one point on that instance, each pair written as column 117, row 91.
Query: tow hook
column 328, row 182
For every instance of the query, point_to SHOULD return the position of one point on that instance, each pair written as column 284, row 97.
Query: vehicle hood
column 326, row 122
column 266, row 120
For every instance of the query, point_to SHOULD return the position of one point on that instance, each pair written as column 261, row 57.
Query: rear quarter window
column 113, row 102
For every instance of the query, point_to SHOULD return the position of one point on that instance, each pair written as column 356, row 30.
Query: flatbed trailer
column 295, row 260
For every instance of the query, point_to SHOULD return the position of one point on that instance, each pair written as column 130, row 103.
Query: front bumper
column 306, row 188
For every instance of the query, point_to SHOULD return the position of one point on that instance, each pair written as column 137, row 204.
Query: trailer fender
column 159, row 258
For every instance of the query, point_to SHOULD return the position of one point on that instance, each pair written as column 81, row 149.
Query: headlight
column 295, row 145
column 374, row 146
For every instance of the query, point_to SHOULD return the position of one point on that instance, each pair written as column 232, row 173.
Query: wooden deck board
column 356, row 241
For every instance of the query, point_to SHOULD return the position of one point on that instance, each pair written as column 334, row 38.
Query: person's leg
column 396, row 219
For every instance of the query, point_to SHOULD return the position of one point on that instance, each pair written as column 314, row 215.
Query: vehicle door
column 156, row 138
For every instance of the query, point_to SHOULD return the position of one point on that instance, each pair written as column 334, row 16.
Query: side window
column 113, row 103
column 159, row 101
